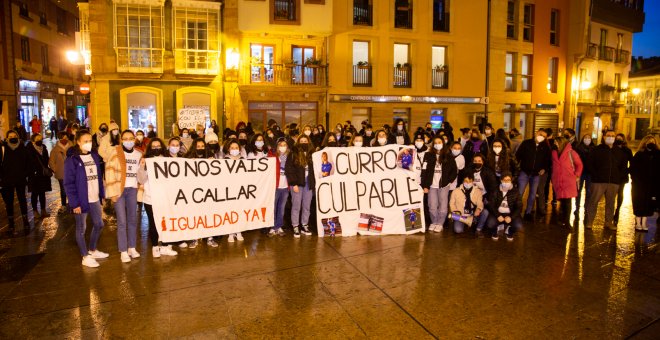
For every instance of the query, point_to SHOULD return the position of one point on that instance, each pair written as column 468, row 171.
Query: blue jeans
column 481, row 220
column 281, row 196
column 81, row 224
column 126, row 210
column 301, row 200
column 533, row 181
column 438, row 199
column 585, row 182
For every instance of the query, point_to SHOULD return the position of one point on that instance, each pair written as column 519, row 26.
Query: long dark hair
column 251, row 148
column 440, row 155
column 504, row 162
column 303, row 152
column 149, row 152
column 192, row 152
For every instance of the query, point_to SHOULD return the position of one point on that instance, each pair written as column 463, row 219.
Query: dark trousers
column 565, row 209
column 515, row 225
column 153, row 233
column 38, row 196
column 62, row 192
column 619, row 201
column 541, row 200
column 8, row 198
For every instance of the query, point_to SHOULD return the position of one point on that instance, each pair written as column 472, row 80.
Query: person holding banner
column 420, row 152
column 200, row 151
column 301, row 184
column 505, row 206
column 466, row 204
column 380, row 139
column 232, row 150
column 83, row 182
column 213, row 144
column 154, row 149
column 281, row 154
column 257, row 148
column 121, row 166
column 438, row 172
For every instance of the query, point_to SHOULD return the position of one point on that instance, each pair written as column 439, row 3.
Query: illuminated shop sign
column 28, row 85
column 404, row 99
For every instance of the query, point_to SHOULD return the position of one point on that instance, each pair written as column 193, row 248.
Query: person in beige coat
column 464, row 210
column 121, row 185
column 56, row 163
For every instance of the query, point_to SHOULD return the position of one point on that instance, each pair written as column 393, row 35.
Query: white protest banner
column 371, row 191
column 198, row 198
column 189, row 118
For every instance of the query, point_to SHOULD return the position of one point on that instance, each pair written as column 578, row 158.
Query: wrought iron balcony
column 402, row 77
column 439, row 78
column 362, row 13
column 606, row 53
column 362, row 75
column 622, row 57
column 285, row 75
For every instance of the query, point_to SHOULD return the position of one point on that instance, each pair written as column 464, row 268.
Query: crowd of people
column 472, row 181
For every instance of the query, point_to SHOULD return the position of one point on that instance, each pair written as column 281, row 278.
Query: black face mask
column 155, row 152
column 39, row 143
column 200, row 153
column 651, row 146
column 242, row 142
column 104, row 129
column 477, row 167
column 214, row 147
column 332, row 143
column 13, row 140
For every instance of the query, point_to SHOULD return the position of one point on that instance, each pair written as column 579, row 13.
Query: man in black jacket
column 535, row 159
column 486, row 181
column 607, row 165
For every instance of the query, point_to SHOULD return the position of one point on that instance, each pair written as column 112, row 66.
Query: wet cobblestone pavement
column 549, row 283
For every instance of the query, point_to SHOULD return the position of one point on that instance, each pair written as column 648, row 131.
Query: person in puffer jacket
column 505, row 206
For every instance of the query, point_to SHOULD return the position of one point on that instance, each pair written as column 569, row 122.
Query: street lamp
column 636, row 91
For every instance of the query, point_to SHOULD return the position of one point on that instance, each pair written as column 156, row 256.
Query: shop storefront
column 28, row 105
column 141, row 107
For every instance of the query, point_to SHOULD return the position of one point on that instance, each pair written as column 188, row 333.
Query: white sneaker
column 89, row 261
column 239, row 236
column 211, row 242
column 167, row 251
column 155, row 251
column 97, row 254
column 183, row 245
column 272, row 232
column 133, row 253
column 230, row 238
column 124, row 257
column 438, row 228
column 192, row 244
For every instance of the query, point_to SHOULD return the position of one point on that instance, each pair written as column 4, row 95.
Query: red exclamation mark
column 263, row 214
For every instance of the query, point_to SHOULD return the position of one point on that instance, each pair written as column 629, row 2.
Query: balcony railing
column 362, row 75
column 196, row 61
column 139, row 60
column 402, row 77
column 362, row 13
column 286, row 75
column 592, row 51
column 284, row 10
column 622, row 57
column 439, row 79
column 403, row 15
column 606, row 53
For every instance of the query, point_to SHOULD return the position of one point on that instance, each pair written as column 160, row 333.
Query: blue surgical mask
column 506, row 186
column 128, row 145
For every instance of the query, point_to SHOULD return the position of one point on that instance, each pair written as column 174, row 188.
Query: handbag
column 45, row 171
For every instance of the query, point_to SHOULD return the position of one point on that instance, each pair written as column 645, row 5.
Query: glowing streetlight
column 73, row 57
column 232, row 59
column 636, row 91
column 585, row 85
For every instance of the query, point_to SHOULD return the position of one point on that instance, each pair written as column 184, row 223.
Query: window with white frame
column 196, row 27
column 139, row 36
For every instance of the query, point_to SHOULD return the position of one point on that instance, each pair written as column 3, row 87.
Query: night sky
column 647, row 43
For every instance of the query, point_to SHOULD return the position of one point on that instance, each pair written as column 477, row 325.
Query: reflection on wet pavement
column 549, row 283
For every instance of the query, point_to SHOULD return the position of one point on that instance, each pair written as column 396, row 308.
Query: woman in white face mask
column 232, row 150
column 357, row 141
column 121, row 167
column 438, row 172
column 257, row 148
column 83, row 184
column 505, row 209
column 584, row 149
column 380, row 139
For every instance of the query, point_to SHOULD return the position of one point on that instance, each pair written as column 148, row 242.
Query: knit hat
column 419, row 136
column 210, row 137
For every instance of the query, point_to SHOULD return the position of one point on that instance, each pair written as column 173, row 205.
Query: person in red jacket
column 566, row 171
column 35, row 125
